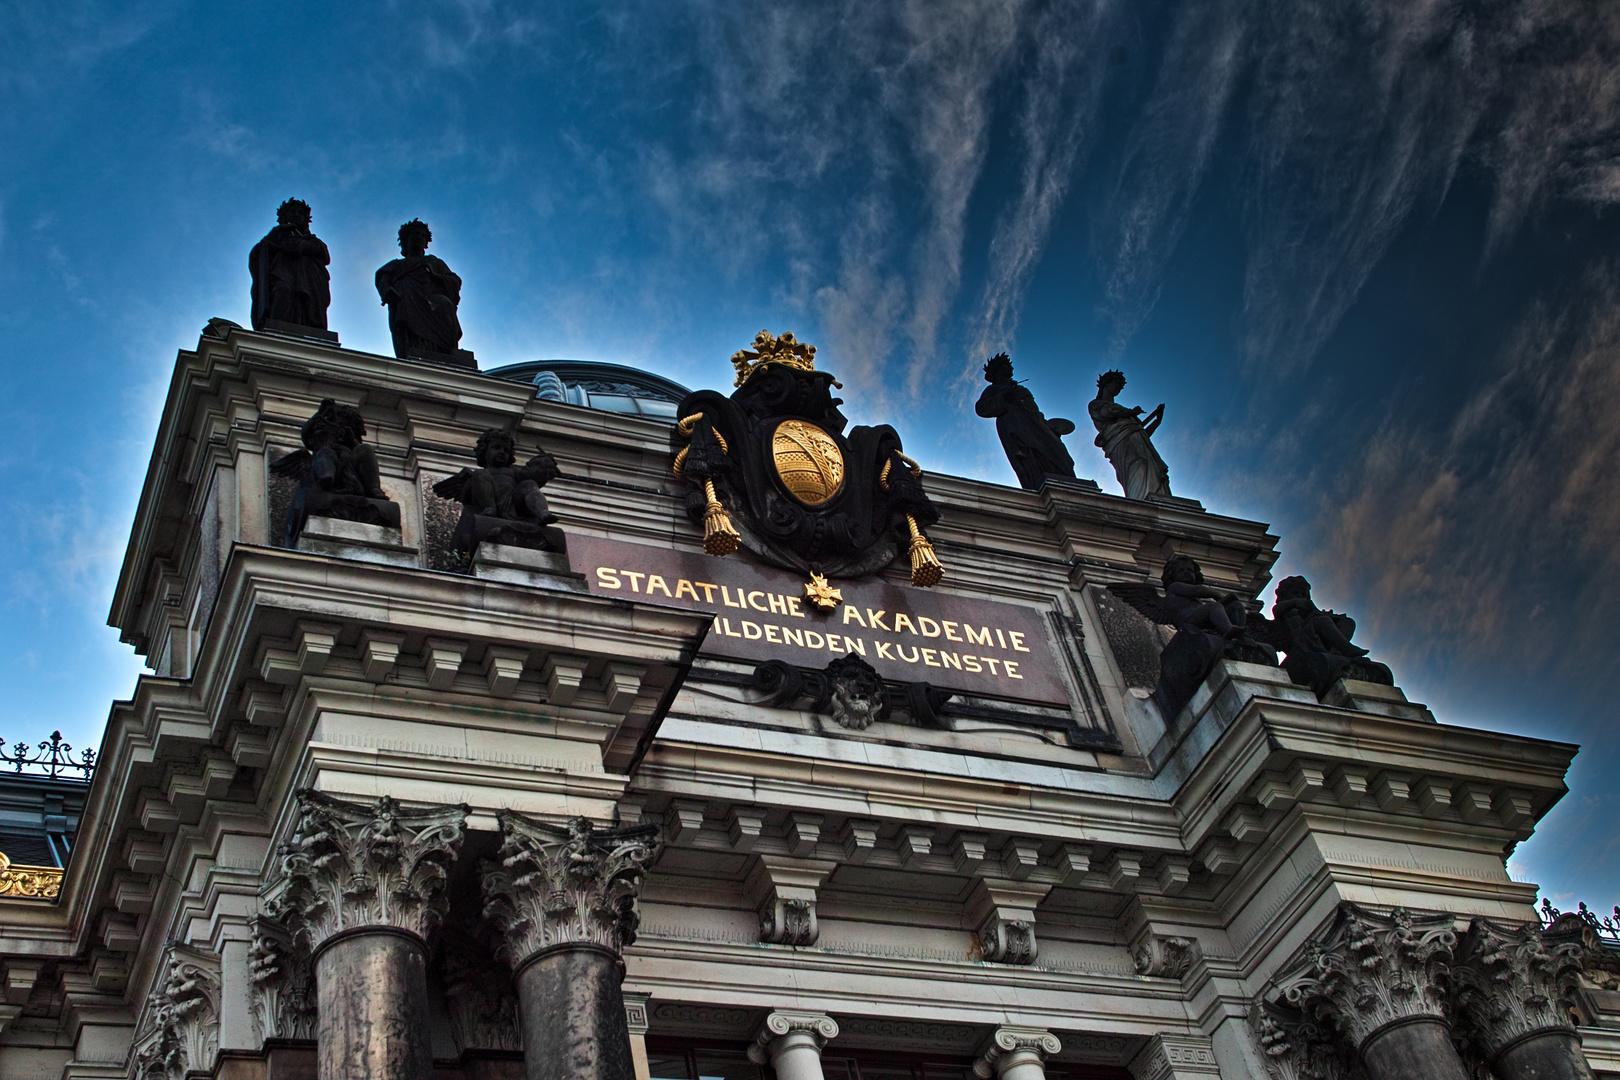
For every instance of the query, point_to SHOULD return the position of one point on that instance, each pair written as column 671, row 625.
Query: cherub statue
column 1316, row 642
column 336, row 472
column 501, row 500
column 1209, row 625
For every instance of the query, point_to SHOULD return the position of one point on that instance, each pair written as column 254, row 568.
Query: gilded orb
column 808, row 461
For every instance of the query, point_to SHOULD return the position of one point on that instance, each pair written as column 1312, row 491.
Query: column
column 635, row 1017
column 1016, row 1053
column 1509, row 989
column 792, row 1042
column 564, row 901
column 364, row 888
column 1377, row 979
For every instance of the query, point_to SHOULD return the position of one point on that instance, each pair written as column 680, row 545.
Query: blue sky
column 1365, row 252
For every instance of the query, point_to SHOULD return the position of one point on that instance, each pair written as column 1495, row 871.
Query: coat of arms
column 772, row 469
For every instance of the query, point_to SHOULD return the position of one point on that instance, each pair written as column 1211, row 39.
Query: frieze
column 981, row 647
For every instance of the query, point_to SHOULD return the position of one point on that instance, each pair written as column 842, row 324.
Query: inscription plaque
column 982, row 647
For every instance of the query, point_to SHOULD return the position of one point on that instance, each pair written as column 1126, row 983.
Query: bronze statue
column 1125, row 436
column 1317, row 643
column 422, row 295
column 1032, row 442
column 336, row 472
column 291, row 284
column 501, row 500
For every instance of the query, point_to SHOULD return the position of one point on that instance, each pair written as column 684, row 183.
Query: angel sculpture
column 501, row 500
column 1209, row 625
column 1317, row 643
column 336, row 473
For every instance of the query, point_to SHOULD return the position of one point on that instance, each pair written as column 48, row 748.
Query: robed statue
column 422, row 295
column 1032, row 442
column 1126, row 437
column 290, row 281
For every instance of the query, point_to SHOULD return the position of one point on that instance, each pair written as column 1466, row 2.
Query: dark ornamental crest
column 771, row 468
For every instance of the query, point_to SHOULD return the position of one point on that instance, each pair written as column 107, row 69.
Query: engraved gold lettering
column 928, row 658
column 708, row 591
column 607, row 579
column 971, row 663
column 635, row 579
column 835, row 643
column 853, row 614
column 725, row 628
column 1017, row 640
column 923, row 623
column 778, row 603
column 950, row 660
column 900, row 617
column 883, row 648
column 725, row 598
column 901, row 651
column 819, row 642
column 755, row 604
column 684, row 588
column 992, row 661
column 874, row 619
column 1001, row 639
column 770, row 634
column 855, row 644
column 950, row 631
column 793, row 607
column 791, row 636
column 747, row 626
column 656, row 582
column 1011, row 667
column 981, row 637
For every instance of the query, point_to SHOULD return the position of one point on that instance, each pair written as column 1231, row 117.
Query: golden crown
column 770, row 349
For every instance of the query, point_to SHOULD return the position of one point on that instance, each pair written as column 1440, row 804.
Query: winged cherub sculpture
column 1317, row 643
column 336, row 473
column 1209, row 625
column 501, row 500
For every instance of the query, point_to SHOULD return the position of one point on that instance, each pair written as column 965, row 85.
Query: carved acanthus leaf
column 481, row 1000
column 1165, row 957
column 1510, row 982
column 555, row 885
column 1008, row 941
column 179, row 1031
column 283, row 1001
column 351, row 865
column 1298, row 1048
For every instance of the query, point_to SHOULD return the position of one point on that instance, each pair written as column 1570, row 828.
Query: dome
column 609, row 387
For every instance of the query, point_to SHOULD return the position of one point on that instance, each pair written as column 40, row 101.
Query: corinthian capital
column 179, row 1029
column 1369, row 970
column 557, row 885
column 1509, row 983
column 352, row 865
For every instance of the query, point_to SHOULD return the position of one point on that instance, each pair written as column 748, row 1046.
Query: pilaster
column 1176, row 1057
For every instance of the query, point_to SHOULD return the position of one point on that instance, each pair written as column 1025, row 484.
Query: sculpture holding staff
column 1125, row 436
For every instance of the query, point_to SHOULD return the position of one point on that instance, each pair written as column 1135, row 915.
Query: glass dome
column 609, row 387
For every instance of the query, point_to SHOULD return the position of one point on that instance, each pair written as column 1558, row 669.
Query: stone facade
column 528, row 816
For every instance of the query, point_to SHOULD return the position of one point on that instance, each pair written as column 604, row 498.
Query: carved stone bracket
column 784, row 892
column 1510, row 983
column 555, row 885
column 1003, row 913
column 1368, row 970
column 283, row 1002
column 1011, row 1048
column 352, row 865
column 179, row 1029
column 1165, row 957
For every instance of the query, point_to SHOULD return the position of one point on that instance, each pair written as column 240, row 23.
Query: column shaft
column 1553, row 1054
column 1418, row 1049
column 372, row 988
column 796, row 1056
column 573, row 1015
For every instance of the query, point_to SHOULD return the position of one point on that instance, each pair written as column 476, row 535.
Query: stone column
column 635, row 1017
column 1016, row 1053
column 792, row 1042
column 565, row 903
column 1508, row 987
column 364, row 888
column 1377, row 980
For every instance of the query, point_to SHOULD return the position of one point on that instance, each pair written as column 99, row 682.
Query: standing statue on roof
column 1033, row 443
column 291, row 284
column 422, row 295
column 1125, row 435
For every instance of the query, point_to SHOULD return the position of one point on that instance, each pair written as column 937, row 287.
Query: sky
column 1367, row 252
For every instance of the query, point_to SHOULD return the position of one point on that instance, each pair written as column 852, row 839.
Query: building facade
column 417, row 788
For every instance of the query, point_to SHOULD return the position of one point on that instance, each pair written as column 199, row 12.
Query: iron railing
column 1607, row 926
column 53, row 758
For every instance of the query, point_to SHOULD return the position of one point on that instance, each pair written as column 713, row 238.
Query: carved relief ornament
column 179, row 1030
column 283, row 1002
column 553, row 885
column 351, row 865
column 1511, row 983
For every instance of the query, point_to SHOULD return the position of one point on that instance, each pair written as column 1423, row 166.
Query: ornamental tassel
column 926, row 569
column 719, row 537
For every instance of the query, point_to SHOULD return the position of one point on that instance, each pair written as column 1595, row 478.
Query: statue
column 1209, row 625
column 501, row 500
column 422, row 295
column 291, row 285
column 1032, row 442
column 1125, row 436
column 1316, row 642
column 336, row 473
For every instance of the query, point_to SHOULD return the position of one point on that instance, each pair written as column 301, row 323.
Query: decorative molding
column 1368, row 970
column 555, row 885
column 1166, row 957
column 479, row 997
column 352, row 865
column 780, row 1027
column 179, row 1029
column 1011, row 1046
column 1175, row 1057
column 1298, row 1048
column 1508, row 983
column 909, row 1035
column 283, row 996
column 635, row 1012
column 713, row 1020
